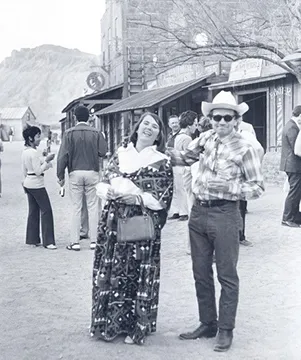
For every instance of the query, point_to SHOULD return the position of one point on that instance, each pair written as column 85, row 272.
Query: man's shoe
column 82, row 237
column 174, row 216
column 92, row 245
column 290, row 224
column 245, row 242
column 224, row 340
column 183, row 218
column 206, row 331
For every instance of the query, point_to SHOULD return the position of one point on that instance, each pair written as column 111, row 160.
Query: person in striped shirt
column 229, row 171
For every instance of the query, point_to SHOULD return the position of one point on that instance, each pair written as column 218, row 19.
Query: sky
column 68, row 23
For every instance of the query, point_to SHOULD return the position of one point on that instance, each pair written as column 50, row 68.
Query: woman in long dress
column 126, row 276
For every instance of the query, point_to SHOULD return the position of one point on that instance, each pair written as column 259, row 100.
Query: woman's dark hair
column 187, row 118
column 160, row 142
column 29, row 133
column 205, row 123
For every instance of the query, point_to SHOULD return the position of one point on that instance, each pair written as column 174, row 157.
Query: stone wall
column 270, row 168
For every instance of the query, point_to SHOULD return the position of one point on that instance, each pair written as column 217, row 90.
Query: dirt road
column 45, row 295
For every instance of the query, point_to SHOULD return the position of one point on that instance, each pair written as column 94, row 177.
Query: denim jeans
column 216, row 229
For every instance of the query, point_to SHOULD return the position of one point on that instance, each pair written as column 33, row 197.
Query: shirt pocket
column 228, row 168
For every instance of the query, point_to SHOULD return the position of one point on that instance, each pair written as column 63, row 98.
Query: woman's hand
column 49, row 157
column 127, row 199
column 111, row 195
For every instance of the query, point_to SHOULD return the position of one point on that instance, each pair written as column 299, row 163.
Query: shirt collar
column 225, row 139
column 148, row 148
column 183, row 131
column 81, row 123
column 295, row 121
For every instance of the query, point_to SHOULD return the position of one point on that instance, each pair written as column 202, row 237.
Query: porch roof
column 96, row 95
column 266, row 76
column 149, row 98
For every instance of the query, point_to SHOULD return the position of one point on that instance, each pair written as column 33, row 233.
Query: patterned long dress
column 126, row 276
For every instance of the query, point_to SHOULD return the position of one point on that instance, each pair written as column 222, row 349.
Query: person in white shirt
column 248, row 133
column 244, row 126
column 1, row 150
column 38, row 201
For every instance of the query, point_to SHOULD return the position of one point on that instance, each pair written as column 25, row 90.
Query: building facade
column 132, row 56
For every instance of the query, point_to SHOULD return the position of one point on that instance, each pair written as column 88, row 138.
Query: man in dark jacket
column 291, row 164
column 81, row 151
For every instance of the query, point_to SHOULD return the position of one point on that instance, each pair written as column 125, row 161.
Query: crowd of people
column 203, row 172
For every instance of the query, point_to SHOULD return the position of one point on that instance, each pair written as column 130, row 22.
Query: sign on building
column 181, row 73
column 245, row 69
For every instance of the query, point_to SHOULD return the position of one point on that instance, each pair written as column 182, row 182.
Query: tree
column 229, row 29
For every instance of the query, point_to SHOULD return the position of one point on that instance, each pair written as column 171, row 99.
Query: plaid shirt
column 232, row 158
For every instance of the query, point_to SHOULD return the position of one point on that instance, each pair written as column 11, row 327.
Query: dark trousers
column 243, row 210
column 39, row 204
column 292, row 202
column 216, row 228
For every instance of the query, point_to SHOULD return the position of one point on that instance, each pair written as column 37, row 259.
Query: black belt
column 212, row 203
column 33, row 174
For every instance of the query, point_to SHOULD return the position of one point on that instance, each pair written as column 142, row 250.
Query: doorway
column 257, row 114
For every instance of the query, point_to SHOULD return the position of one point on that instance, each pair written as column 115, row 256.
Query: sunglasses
column 227, row 118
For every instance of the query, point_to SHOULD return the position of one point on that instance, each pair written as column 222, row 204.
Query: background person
column 249, row 135
column 129, row 272
column 11, row 134
column 84, row 228
column 204, row 124
column 174, row 125
column 178, row 140
column 38, row 201
column 80, row 152
column 291, row 164
column 1, row 150
column 188, row 124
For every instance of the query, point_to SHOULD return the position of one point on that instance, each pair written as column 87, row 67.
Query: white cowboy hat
column 224, row 100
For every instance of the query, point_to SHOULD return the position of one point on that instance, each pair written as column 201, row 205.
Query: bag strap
column 141, row 203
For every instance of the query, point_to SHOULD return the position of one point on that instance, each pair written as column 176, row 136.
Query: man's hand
column 218, row 185
column 171, row 153
column 61, row 182
column 127, row 199
column 168, row 151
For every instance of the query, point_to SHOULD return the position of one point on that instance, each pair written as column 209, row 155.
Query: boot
column 204, row 330
column 224, row 340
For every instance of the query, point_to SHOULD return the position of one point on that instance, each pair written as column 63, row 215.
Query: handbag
column 136, row 228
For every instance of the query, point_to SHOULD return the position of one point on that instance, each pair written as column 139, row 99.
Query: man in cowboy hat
column 229, row 171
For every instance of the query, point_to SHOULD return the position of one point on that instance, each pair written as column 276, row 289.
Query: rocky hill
column 45, row 78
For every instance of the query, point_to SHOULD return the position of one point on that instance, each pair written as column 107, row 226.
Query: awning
column 97, row 94
column 149, row 98
column 250, row 81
